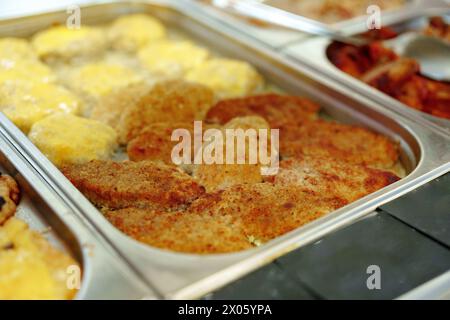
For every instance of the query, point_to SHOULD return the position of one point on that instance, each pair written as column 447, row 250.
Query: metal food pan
column 313, row 52
column 176, row 275
column 42, row 209
column 263, row 11
column 411, row 9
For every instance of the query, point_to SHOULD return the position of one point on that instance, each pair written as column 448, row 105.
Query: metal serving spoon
column 431, row 53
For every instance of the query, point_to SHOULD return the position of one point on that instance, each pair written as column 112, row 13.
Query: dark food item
column 398, row 77
column 438, row 28
column 9, row 197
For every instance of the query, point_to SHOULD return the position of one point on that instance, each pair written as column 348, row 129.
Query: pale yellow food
column 25, row 69
column 16, row 48
column 30, row 267
column 172, row 58
column 97, row 80
column 67, row 139
column 110, row 108
column 60, row 43
column 132, row 32
column 25, row 102
column 228, row 78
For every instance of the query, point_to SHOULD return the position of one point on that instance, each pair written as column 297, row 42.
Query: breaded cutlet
column 167, row 101
column 331, row 177
column 240, row 216
column 278, row 110
column 143, row 184
column 154, row 142
column 110, row 107
column 229, row 220
column 219, row 176
column 181, row 231
column 347, row 143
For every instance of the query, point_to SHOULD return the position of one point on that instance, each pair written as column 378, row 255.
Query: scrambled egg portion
column 25, row 103
column 16, row 48
column 30, row 267
column 25, row 69
column 62, row 43
column 132, row 32
column 97, row 80
column 228, row 78
column 172, row 58
column 66, row 138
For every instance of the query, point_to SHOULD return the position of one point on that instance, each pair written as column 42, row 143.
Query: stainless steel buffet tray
column 44, row 211
column 425, row 154
column 411, row 9
column 264, row 11
column 313, row 52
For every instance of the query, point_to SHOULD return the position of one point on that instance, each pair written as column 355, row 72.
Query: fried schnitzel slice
column 220, row 176
column 154, row 142
column 331, row 177
column 347, row 143
column 265, row 211
column 9, row 197
column 240, row 216
column 278, row 110
column 167, row 101
column 110, row 107
column 143, row 184
column 180, row 231
column 229, row 220
column 214, row 176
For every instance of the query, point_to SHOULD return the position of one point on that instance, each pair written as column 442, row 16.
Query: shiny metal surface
column 40, row 206
column 424, row 154
column 278, row 17
column 412, row 9
column 436, row 289
column 313, row 53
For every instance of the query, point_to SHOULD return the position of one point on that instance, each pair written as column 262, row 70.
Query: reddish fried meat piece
column 398, row 77
column 278, row 110
column 332, row 177
column 347, row 143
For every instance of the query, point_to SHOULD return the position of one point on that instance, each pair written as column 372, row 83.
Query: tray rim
column 46, row 168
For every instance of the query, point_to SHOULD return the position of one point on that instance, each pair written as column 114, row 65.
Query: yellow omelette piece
column 132, row 32
column 25, row 69
column 228, row 78
column 25, row 102
column 99, row 79
column 30, row 267
column 66, row 138
column 62, row 43
column 16, row 48
column 172, row 58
